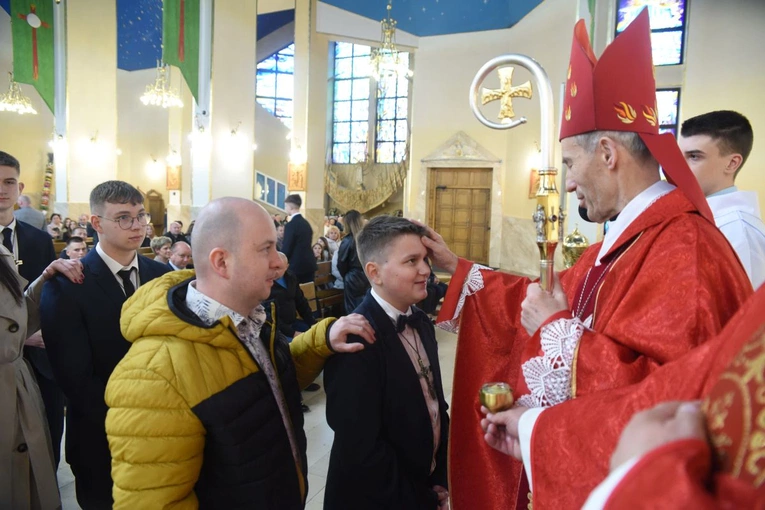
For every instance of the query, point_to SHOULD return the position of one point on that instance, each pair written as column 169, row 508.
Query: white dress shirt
column 414, row 350
column 14, row 238
column 115, row 267
column 737, row 215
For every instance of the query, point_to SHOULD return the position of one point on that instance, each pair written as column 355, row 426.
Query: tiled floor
column 317, row 431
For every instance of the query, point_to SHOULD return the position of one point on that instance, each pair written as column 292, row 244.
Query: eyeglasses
column 126, row 221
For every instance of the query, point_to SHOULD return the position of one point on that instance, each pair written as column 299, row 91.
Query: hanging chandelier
column 159, row 93
column 386, row 61
column 15, row 101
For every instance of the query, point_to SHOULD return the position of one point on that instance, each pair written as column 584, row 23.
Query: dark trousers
column 93, row 486
column 54, row 401
column 52, row 396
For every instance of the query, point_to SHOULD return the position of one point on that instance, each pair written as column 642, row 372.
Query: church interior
column 282, row 93
column 285, row 97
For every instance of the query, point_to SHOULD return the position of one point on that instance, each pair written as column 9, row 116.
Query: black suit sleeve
column 289, row 241
column 344, row 256
column 367, row 465
column 68, row 345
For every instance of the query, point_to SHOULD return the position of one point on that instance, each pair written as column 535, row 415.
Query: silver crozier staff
column 548, row 216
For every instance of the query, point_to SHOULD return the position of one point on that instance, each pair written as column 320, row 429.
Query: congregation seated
column 79, row 232
column 290, row 302
column 180, row 256
column 76, row 248
column 161, row 248
column 175, row 233
column 149, row 236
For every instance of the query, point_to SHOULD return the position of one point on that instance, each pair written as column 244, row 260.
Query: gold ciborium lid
column 496, row 396
column 574, row 245
column 575, row 239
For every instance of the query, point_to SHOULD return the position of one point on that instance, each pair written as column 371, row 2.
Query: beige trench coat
column 27, row 476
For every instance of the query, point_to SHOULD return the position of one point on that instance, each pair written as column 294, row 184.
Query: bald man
column 290, row 302
column 29, row 214
column 180, row 256
column 205, row 407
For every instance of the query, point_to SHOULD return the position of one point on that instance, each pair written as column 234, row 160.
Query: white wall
column 725, row 70
column 445, row 67
column 142, row 133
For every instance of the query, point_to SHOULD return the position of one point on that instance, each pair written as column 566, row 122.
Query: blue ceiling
column 439, row 17
column 139, row 22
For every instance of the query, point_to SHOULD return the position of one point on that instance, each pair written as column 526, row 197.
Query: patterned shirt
column 248, row 331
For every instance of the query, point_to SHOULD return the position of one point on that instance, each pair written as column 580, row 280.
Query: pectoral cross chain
column 426, row 373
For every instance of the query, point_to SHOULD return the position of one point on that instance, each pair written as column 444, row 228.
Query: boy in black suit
column 386, row 404
column 298, row 239
column 32, row 249
column 81, row 327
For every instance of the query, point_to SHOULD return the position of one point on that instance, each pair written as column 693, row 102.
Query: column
column 232, row 123
column 92, row 99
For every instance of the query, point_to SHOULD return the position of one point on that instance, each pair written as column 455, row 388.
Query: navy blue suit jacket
column 298, row 239
column 36, row 253
column 81, row 328
column 383, row 443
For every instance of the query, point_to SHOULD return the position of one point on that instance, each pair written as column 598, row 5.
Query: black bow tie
column 414, row 320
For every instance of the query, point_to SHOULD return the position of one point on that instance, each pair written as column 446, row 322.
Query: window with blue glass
column 269, row 190
column 355, row 95
column 668, row 104
column 275, row 84
column 351, row 103
column 392, row 107
column 668, row 19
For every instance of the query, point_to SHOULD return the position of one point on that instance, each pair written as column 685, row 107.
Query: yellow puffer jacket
column 189, row 410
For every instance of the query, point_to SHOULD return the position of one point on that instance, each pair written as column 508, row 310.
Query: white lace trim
column 548, row 377
column 473, row 283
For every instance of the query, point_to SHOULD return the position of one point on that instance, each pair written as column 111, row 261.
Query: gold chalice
column 496, row 396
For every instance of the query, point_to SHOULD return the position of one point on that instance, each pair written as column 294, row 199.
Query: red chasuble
column 674, row 283
column 734, row 477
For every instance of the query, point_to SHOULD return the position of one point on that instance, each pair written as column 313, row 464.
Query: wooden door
column 460, row 210
column 156, row 210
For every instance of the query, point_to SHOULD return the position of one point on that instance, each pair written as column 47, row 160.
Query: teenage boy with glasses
column 81, row 327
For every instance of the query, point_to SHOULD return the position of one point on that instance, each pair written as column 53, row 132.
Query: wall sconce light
column 154, row 168
column 173, row 158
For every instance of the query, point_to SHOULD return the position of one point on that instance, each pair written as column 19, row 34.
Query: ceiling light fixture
column 159, row 93
column 15, row 101
column 386, row 61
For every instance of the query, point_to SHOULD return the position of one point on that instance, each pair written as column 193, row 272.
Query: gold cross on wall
column 506, row 93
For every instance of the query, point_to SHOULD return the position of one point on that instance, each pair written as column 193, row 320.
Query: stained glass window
column 667, row 26
column 668, row 104
column 351, row 103
column 392, row 107
column 275, row 84
column 355, row 96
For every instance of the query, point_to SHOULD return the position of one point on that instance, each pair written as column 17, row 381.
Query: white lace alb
column 548, row 377
column 473, row 283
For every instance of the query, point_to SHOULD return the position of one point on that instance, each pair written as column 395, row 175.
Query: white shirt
column 737, row 215
column 115, row 266
column 630, row 213
column 413, row 353
column 15, row 238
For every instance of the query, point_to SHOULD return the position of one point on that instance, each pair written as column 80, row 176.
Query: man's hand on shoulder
column 353, row 324
column 655, row 427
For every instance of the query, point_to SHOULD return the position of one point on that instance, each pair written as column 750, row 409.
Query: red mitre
column 618, row 93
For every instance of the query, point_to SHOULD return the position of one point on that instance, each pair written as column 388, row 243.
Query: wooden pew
column 327, row 297
column 309, row 291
